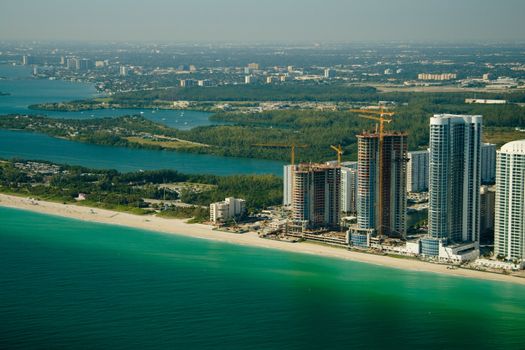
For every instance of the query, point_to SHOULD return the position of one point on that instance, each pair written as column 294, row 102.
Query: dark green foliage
column 286, row 92
column 259, row 191
column 199, row 214
column 113, row 190
column 318, row 129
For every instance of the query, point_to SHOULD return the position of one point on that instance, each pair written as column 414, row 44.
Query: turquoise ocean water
column 70, row 284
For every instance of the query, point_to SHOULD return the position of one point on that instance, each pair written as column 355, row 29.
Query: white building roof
column 439, row 119
column 514, row 147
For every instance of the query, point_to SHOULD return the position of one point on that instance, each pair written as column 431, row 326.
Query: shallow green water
column 70, row 284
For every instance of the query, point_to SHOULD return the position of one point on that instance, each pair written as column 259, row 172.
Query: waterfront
column 67, row 283
column 33, row 146
column 25, row 90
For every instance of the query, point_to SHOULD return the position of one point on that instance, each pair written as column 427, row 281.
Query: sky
column 263, row 20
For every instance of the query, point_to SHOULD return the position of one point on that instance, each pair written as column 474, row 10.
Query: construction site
column 313, row 192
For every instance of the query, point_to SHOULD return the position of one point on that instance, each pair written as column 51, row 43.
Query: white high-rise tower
column 509, row 227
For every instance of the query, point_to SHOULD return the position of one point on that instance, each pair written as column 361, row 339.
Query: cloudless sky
column 263, row 20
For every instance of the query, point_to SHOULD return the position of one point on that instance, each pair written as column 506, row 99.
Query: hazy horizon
column 268, row 21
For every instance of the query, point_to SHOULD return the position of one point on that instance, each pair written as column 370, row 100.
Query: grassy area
column 501, row 136
column 189, row 186
column 196, row 214
column 169, row 144
column 103, row 99
column 120, row 208
column 91, row 204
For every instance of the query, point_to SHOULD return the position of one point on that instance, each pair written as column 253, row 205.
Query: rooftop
column 443, row 118
column 366, row 134
column 514, row 147
column 306, row 167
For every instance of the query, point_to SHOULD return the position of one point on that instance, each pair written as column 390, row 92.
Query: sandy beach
column 179, row 227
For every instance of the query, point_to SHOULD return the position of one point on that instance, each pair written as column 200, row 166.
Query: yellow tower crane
column 378, row 115
column 339, row 151
column 292, row 147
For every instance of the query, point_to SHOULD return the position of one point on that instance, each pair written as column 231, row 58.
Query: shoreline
column 200, row 231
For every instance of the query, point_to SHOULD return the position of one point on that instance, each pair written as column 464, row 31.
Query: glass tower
column 454, row 177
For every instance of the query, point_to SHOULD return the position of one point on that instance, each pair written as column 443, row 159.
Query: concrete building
column 204, row 83
column 27, row 60
column 85, row 64
column 485, row 101
column 438, row 77
column 487, row 202
column 187, row 83
column 386, row 181
column 509, row 227
column 454, row 177
column 271, row 79
column 488, row 163
column 451, row 253
column 123, row 71
column 249, row 79
column 73, row 63
column 228, row 209
column 329, row 73
column 316, row 195
column 417, row 171
column 349, row 187
column 287, row 184
column 253, row 66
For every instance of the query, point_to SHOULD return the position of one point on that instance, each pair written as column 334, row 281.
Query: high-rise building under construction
column 316, row 195
column 381, row 188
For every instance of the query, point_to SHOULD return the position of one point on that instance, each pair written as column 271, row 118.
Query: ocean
column 72, row 284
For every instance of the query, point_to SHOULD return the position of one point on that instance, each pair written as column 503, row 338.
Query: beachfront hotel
column 454, row 179
column 509, row 230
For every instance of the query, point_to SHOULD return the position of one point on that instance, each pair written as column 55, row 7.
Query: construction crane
column 292, row 147
column 378, row 115
column 381, row 118
column 339, row 151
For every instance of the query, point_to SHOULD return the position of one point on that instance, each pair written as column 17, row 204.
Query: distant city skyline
column 256, row 21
